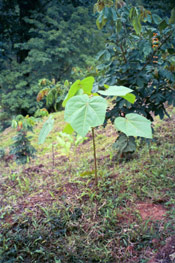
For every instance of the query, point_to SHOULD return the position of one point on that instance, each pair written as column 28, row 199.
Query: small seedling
column 22, row 148
column 85, row 110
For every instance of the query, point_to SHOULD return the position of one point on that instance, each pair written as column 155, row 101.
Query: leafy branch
column 154, row 52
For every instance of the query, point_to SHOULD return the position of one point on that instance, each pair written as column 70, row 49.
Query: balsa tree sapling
column 85, row 110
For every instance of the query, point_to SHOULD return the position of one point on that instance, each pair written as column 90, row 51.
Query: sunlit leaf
column 78, row 86
column 87, row 173
column 130, row 97
column 68, row 129
column 87, row 84
column 134, row 125
column 83, row 113
column 115, row 91
column 72, row 91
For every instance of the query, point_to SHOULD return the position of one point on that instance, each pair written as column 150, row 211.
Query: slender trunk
column 95, row 159
column 53, row 155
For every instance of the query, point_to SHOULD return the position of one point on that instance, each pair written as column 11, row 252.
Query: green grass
column 56, row 214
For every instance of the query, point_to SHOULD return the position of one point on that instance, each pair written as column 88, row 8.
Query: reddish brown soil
column 151, row 211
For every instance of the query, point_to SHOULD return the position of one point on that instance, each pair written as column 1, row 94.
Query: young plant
column 64, row 140
column 22, row 149
column 86, row 111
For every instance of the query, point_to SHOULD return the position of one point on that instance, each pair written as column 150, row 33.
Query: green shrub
column 22, row 149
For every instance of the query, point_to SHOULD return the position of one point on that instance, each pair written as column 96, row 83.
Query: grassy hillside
column 54, row 213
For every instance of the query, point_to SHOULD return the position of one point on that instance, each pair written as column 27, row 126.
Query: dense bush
column 130, row 59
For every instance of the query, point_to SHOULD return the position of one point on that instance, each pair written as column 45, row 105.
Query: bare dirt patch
column 151, row 211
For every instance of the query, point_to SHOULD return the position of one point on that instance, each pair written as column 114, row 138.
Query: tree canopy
column 139, row 54
column 43, row 39
column 57, row 40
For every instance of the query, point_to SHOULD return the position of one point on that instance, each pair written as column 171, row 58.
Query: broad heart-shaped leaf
column 134, row 125
column 83, row 113
column 47, row 127
column 115, row 91
column 84, row 85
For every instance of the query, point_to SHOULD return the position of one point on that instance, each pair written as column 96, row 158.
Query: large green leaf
column 116, row 91
column 46, row 129
column 84, row 85
column 83, row 113
column 134, row 125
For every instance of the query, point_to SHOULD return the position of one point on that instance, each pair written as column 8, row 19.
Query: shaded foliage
column 42, row 39
column 129, row 58
column 22, row 149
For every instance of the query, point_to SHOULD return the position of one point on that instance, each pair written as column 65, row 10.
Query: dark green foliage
column 125, row 144
column 4, row 120
column 163, row 8
column 128, row 59
column 22, row 149
column 42, row 39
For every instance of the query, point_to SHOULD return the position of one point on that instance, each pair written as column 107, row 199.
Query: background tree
column 43, row 39
column 129, row 57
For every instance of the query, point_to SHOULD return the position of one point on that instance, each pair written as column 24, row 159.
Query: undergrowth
column 55, row 214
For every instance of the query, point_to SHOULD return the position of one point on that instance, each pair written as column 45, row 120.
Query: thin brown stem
column 95, row 158
column 53, row 155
